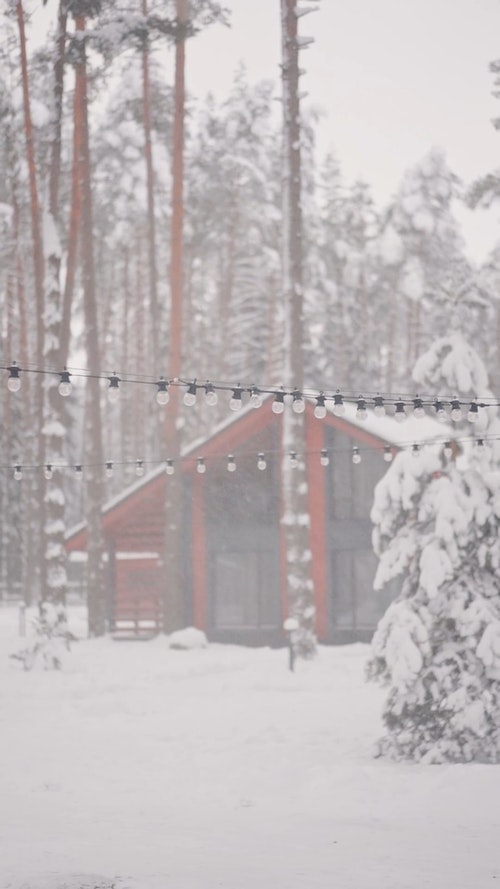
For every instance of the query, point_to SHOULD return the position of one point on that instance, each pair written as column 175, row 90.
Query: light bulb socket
column 14, row 380
column 65, row 386
column 320, row 408
column 162, row 393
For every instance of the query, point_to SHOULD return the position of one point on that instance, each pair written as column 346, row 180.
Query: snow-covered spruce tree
column 437, row 648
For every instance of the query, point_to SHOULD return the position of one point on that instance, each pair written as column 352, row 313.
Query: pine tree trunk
column 37, row 507
column 173, row 611
column 295, row 516
column 56, row 581
column 94, row 454
column 148, row 156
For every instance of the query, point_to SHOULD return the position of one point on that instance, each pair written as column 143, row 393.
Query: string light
column 338, row 405
column 210, row 395
column 18, row 473
column 162, row 393
column 473, row 414
column 200, row 466
column 256, row 397
column 361, row 411
column 440, row 411
column 399, row 412
column 236, row 403
column 282, row 394
column 418, row 408
column 415, row 450
column 190, row 395
column 14, row 380
column 279, row 403
column 456, row 411
column 387, row 451
column 65, row 386
column 320, row 407
column 298, row 403
column 114, row 388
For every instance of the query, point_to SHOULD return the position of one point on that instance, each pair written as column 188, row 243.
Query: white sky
column 394, row 78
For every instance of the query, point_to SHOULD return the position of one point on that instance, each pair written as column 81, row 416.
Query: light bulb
column 256, row 398
column 200, row 466
column 456, row 411
column 400, row 413
column 169, row 467
column 356, row 456
column 210, row 394
column 440, row 411
column 324, row 459
column 114, row 388
column 65, row 386
column 387, row 454
column 190, row 395
column 14, row 381
column 18, row 473
column 293, row 460
column 79, row 470
column 320, row 409
column 162, row 393
column 418, row 408
column 338, row 405
column 109, row 469
column 236, row 403
column 361, row 412
column 448, row 450
column 48, row 472
column 279, row 403
column 473, row 415
column 379, row 409
column 139, row 468
column 415, row 450
column 298, row 403
column 231, row 464
column 261, row 462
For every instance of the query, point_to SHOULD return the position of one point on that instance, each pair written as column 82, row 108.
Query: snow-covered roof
column 398, row 434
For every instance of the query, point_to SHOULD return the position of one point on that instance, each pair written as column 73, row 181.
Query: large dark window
column 354, row 607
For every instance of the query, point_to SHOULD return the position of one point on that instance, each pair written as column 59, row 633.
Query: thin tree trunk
column 148, row 156
column 74, row 220
column 55, row 561
column 37, row 507
column 94, row 452
column 295, row 516
column 173, row 611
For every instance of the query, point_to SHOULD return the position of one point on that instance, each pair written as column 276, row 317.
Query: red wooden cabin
column 233, row 551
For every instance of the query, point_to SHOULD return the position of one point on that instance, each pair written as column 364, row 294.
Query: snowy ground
column 139, row 767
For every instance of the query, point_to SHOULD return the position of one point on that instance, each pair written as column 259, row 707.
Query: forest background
column 92, row 140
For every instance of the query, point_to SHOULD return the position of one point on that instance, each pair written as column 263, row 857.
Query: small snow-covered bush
column 187, row 638
column 50, row 639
